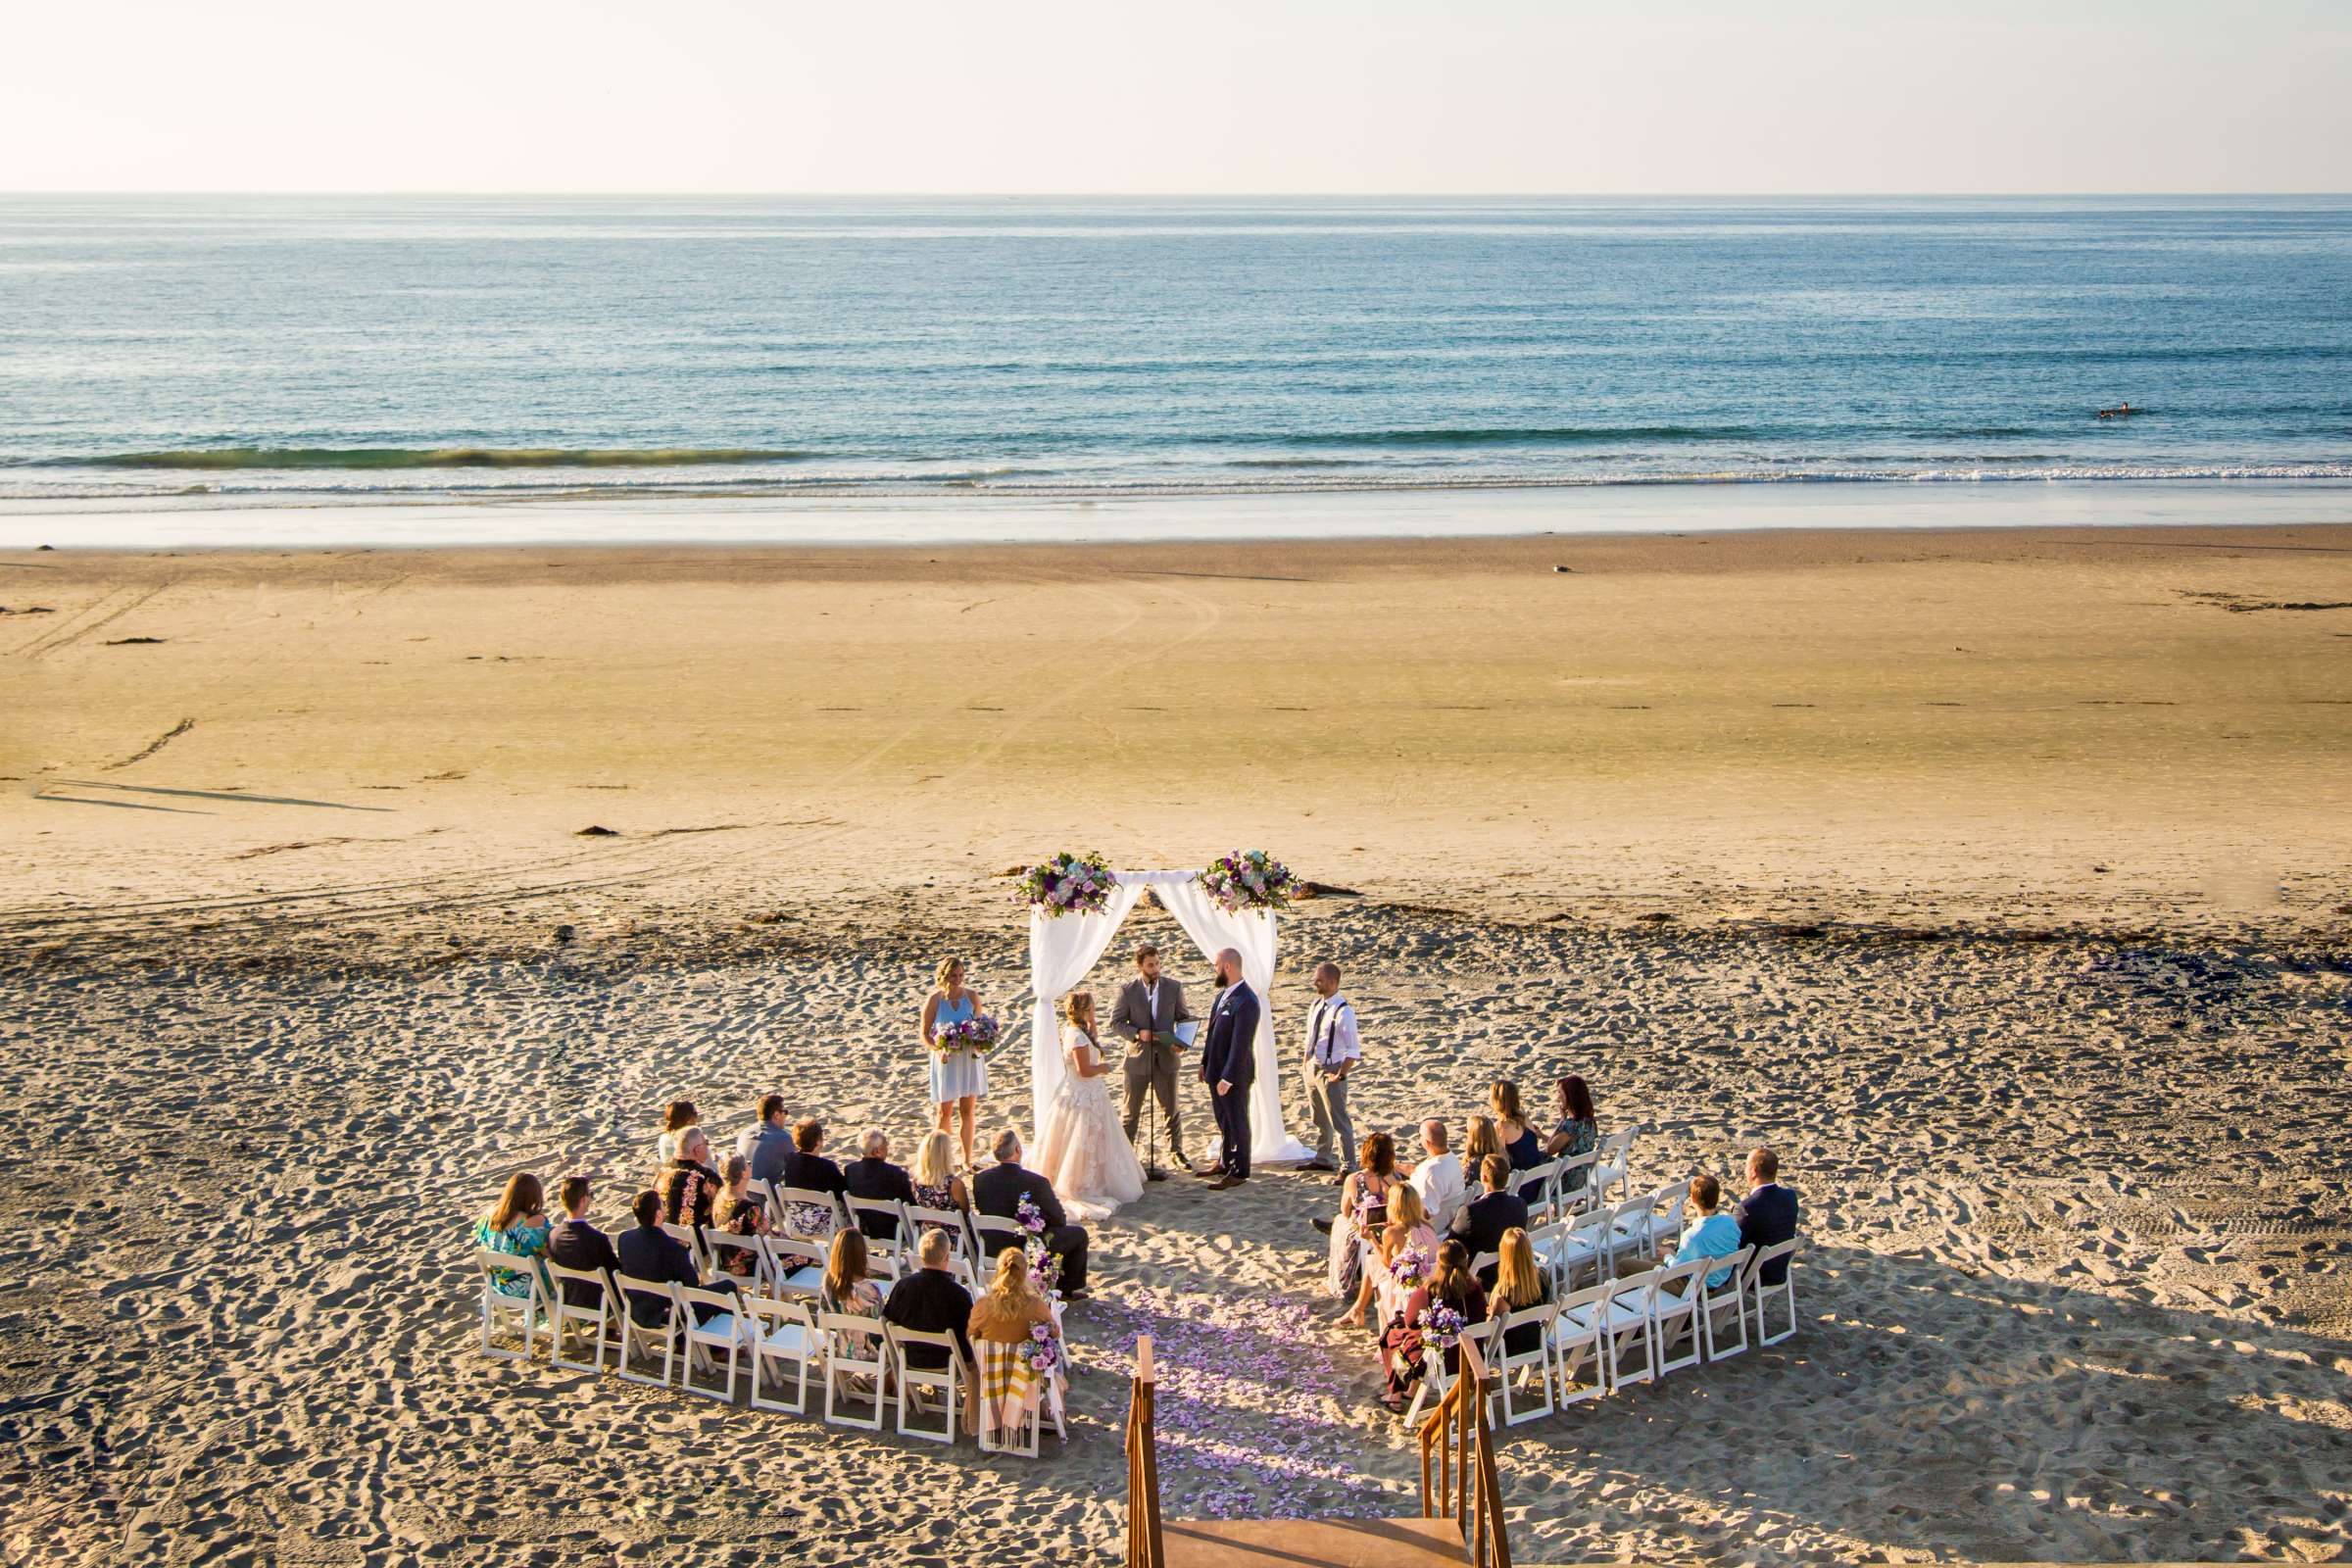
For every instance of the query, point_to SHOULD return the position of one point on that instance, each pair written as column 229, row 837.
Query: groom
column 1228, row 1061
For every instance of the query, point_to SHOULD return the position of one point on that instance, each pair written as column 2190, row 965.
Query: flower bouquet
column 1248, row 879
column 1411, row 1267
column 1043, row 1352
column 1069, row 884
column 1045, row 1269
column 978, row 1036
column 1442, row 1326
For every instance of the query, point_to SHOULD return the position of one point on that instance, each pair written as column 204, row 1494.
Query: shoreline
column 946, row 521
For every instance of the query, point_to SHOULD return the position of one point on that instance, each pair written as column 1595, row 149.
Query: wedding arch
column 1062, row 948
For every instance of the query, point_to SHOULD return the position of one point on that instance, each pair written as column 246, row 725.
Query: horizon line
column 1206, row 195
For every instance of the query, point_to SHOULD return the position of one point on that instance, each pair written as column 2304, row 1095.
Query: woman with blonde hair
column 1519, row 1284
column 1081, row 1147
column 1005, row 1332
column 1480, row 1143
column 1407, row 1230
column 958, row 1078
column 1520, row 1143
column 936, row 1184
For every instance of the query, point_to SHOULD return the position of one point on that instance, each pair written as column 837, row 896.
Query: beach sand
column 1998, row 879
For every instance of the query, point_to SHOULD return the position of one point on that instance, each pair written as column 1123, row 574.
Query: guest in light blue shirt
column 1711, row 1235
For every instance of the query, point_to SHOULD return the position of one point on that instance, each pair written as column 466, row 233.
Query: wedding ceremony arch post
column 1063, row 947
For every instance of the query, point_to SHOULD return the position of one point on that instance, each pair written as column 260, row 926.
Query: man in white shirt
column 1332, row 1053
column 1438, row 1178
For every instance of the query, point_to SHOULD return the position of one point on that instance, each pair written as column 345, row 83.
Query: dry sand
column 2007, row 896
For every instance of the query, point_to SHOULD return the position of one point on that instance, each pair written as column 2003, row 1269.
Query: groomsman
column 1333, row 1049
column 1150, row 1007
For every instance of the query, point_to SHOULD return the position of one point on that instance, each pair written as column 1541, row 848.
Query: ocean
column 750, row 357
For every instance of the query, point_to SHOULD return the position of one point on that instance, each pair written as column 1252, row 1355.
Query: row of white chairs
column 1619, row 1332
column 767, row 1341
column 1556, row 1191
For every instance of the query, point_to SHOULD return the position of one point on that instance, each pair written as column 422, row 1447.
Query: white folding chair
column 1666, row 1213
column 531, row 1306
column 1534, row 1185
column 886, row 1253
column 1435, row 1379
column 1784, row 1253
column 807, row 1214
column 597, row 1318
column 693, row 1240
column 950, row 1220
column 1516, row 1370
column 968, row 1276
column 784, row 1342
column 635, row 1336
column 1572, row 1183
column 761, row 1193
column 840, row 1333
column 1731, row 1296
column 1579, row 1245
column 1629, row 1230
column 793, row 1267
column 987, row 1231
column 1482, row 1262
column 1674, row 1293
column 724, row 1331
column 725, row 1248
column 1579, row 1330
column 1623, row 1321
column 1021, row 1437
column 919, row 1386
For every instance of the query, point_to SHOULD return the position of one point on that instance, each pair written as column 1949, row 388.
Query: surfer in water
column 2121, row 411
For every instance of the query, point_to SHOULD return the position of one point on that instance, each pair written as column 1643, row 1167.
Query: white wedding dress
column 1080, row 1146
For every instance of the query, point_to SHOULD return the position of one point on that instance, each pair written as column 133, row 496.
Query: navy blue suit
column 1231, row 1055
column 1768, row 1216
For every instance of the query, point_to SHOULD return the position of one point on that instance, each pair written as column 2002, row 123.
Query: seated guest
column 1576, row 1130
column 1483, row 1220
column 849, row 1289
column 576, row 1244
column 929, row 1300
column 1001, row 1322
column 1407, row 1228
column 650, row 1252
column 1438, row 1178
column 1519, row 1284
column 517, row 1223
column 807, row 1166
column 739, row 1213
column 768, row 1140
column 680, row 1115
column 1480, row 1142
column 1363, row 1210
column 689, row 1187
column 998, row 1191
column 1768, row 1215
column 936, row 1184
column 1710, row 1235
column 1519, row 1140
column 873, row 1176
column 1402, row 1350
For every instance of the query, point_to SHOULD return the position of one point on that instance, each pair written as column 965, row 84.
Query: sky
column 1210, row 96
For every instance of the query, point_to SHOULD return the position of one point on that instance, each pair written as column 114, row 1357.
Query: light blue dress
column 962, row 1073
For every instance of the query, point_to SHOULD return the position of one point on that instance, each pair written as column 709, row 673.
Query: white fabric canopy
column 1063, row 947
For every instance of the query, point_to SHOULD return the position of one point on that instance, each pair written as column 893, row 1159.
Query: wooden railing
column 1143, row 1547
column 1467, row 1489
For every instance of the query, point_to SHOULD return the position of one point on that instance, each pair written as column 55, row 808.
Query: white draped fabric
column 1063, row 947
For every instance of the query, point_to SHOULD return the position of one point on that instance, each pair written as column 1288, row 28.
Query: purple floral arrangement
column 1248, row 879
column 1442, row 1326
column 1410, row 1267
column 1069, row 884
column 1043, row 1352
column 976, row 1035
column 1045, row 1269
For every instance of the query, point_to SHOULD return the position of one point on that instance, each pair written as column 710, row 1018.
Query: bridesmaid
column 958, row 1078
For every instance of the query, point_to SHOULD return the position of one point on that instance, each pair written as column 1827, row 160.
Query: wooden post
column 1145, row 1547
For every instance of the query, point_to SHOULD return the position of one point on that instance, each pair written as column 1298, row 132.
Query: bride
column 1080, row 1148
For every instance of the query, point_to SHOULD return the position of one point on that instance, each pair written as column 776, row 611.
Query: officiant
column 1150, row 1007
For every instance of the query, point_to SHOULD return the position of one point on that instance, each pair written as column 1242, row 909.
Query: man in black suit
column 874, row 1177
column 1228, row 1064
column 806, row 1165
column 576, row 1244
column 998, row 1191
column 650, row 1252
column 1483, row 1220
column 930, row 1301
column 1768, row 1215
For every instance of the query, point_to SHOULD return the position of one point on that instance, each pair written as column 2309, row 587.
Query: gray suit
column 1151, row 1066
